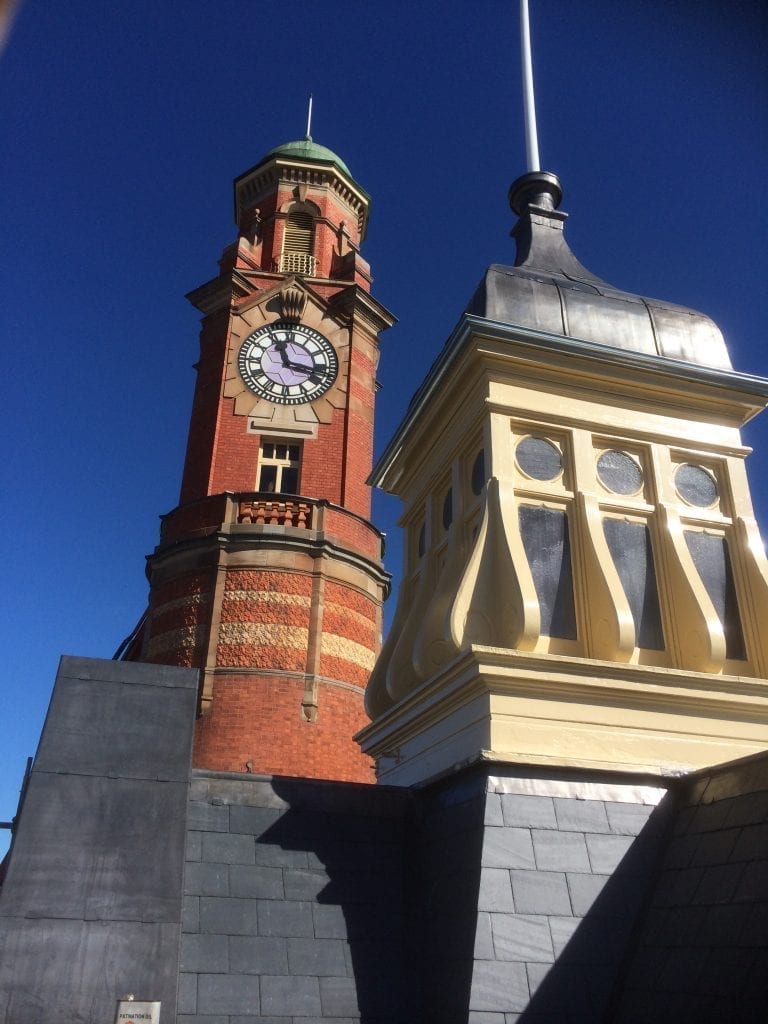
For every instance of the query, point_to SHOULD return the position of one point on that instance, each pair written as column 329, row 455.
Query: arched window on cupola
column 298, row 254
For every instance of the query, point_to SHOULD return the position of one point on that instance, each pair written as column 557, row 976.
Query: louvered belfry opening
column 298, row 243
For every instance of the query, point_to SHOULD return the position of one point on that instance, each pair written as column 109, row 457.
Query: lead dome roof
column 547, row 289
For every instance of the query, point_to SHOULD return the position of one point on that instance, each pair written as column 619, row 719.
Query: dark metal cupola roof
column 548, row 289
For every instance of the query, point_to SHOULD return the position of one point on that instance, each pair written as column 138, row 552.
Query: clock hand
column 312, row 374
column 281, row 345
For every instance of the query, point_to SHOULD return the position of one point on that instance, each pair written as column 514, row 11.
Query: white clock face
column 287, row 363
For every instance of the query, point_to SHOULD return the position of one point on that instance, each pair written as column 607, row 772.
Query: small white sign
column 131, row 1011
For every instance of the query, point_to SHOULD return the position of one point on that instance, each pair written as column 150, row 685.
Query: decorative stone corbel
column 292, row 302
column 698, row 630
column 492, row 607
column 752, row 555
column 611, row 627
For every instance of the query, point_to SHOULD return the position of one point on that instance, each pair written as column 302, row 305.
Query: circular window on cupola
column 619, row 472
column 539, row 458
column 696, row 486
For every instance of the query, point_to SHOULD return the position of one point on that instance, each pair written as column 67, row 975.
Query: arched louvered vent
column 298, row 244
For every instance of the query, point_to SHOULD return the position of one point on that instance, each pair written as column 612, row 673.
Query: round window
column 619, row 472
column 539, row 458
column 696, row 485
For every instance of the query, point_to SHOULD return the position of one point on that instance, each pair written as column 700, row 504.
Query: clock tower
column 268, row 574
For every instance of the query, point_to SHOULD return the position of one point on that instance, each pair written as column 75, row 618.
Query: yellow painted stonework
column 468, row 671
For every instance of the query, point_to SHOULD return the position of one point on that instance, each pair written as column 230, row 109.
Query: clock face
column 287, row 363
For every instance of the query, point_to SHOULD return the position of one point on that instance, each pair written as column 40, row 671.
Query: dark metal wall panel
column 91, row 905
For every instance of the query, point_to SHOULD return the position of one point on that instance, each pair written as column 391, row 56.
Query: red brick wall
column 259, row 719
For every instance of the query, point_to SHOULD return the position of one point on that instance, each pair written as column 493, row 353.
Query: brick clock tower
column 268, row 575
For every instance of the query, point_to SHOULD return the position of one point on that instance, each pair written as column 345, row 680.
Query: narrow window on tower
column 279, row 466
column 298, row 256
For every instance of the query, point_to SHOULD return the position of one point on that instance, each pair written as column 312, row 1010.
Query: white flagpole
column 529, row 105
column 309, row 118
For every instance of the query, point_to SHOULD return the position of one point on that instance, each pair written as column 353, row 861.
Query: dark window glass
column 422, row 542
column 268, row 478
column 710, row 556
column 630, row 547
column 281, row 451
column 293, row 452
column 696, row 486
column 269, row 451
column 545, row 538
column 478, row 472
column 619, row 472
column 290, row 480
column 539, row 458
column 448, row 509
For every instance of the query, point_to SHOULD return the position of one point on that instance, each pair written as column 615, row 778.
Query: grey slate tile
column 205, row 953
column 499, row 986
column 269, row 855
column 495, row 890
column 752, row 843
column 540, row 892
column 528, row 811
column 304, row 885
column 485, row 1017
column 483, row 938
column 255, row 881
column 207, row 817
column 194, row 846
column 203, row 1018
column 187, row 998
column 521, row 937
column 225, row 916
column 581, row 815
column 584, row 890
column 339, row 997
column 507, row 848
column 190, row 914
column 252, row 954
column 493, row 815
column 607, row 852
column 753, row 882
column 628, row 819
column 677, row 888
column 715, row 847
column 562, row 929
column 252, row 821
column 317, row 957
column 228, row 994
column 221, row 848
column 560, row 851
column 284, row 919
column 536, row 974
column 725, row 882
column 680, row 851
column 206, row 879
column 297, row 996
column 329, row 921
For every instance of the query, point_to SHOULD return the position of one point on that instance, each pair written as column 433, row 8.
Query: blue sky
column 124, row 126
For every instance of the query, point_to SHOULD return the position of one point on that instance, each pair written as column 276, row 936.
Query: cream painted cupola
column 585, row 584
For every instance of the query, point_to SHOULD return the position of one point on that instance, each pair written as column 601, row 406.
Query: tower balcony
column 270, row 513
column 296, row 263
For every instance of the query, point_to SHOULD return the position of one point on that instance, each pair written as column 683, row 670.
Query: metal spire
column 308, row 136
column 529, row 105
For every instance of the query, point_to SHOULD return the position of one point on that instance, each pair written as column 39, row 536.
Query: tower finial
column 308, row 136
column 529, row 105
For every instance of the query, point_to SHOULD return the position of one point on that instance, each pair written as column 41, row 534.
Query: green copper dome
column 306, row 149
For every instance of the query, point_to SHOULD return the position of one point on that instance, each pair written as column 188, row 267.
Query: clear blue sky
column 124, row 125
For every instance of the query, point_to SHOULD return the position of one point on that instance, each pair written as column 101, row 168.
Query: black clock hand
column 312, row 374
column 281, row 345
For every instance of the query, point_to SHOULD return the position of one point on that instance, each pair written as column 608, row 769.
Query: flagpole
column 529, row 105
